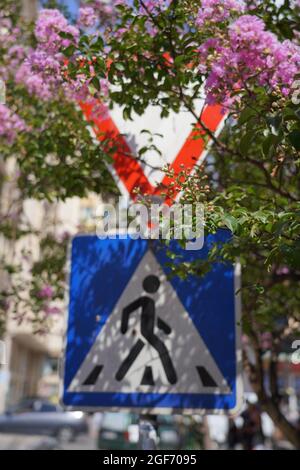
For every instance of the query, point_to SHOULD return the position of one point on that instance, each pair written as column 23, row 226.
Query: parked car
column 41, row 417
column 25, row 442
column 120, row 431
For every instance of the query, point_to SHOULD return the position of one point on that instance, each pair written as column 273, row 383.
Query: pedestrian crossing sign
column 140, row 339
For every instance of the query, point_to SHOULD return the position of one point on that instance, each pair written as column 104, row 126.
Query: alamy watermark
column 2, row 353
column 153, row 221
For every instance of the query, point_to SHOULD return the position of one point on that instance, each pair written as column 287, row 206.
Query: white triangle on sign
column 174, row 131
column 195, row 369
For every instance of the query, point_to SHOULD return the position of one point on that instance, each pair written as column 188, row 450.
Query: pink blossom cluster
column 35, row 82
column 215, row 11
column 39, row 69
column 49, row 25
column 12, row 53
column 46, row 292
column 10, row 124
column 12, row 58
column 247, row 53
column 41, row 72
column 8, row 32
column 87, row 17
column 104, row 11
column 98, row 12
column 105, row 7
column 52, row 310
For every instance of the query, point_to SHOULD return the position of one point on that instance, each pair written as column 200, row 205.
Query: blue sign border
column 96, row 284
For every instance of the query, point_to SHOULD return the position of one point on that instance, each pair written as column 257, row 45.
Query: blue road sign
column 139, row 339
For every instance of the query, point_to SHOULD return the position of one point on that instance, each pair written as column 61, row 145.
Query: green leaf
column 119, row 66
column 179, row 59
column 69, row 51
column 269, row 144
column 95, row 82
column 65, row 35
column 246, row 115
column 230, row 222
column 246, row 142
column 294, row 138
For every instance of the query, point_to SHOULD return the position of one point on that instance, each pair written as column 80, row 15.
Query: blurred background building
column 31, row 365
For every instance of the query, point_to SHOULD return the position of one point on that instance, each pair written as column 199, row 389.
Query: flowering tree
column 244, row 55
column 47, row 153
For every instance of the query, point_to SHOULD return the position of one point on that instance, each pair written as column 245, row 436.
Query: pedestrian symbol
column 148, row 351
column 151, row 285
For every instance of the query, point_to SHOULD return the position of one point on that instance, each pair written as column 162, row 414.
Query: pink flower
column 216, row 11
column 10, row 124
column 41, row 72
column 283, row 271
column 46, row 292
column 14, row 57
column 8, row 33
column 34, row 82
column 52, row 310
column 87, row 17
column 49, row 25
column 248, row 53
column 105, row 11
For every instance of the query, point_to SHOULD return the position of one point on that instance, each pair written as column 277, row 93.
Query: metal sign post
column 148, row 438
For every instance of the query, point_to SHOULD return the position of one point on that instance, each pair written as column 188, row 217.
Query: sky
column 72, row 5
